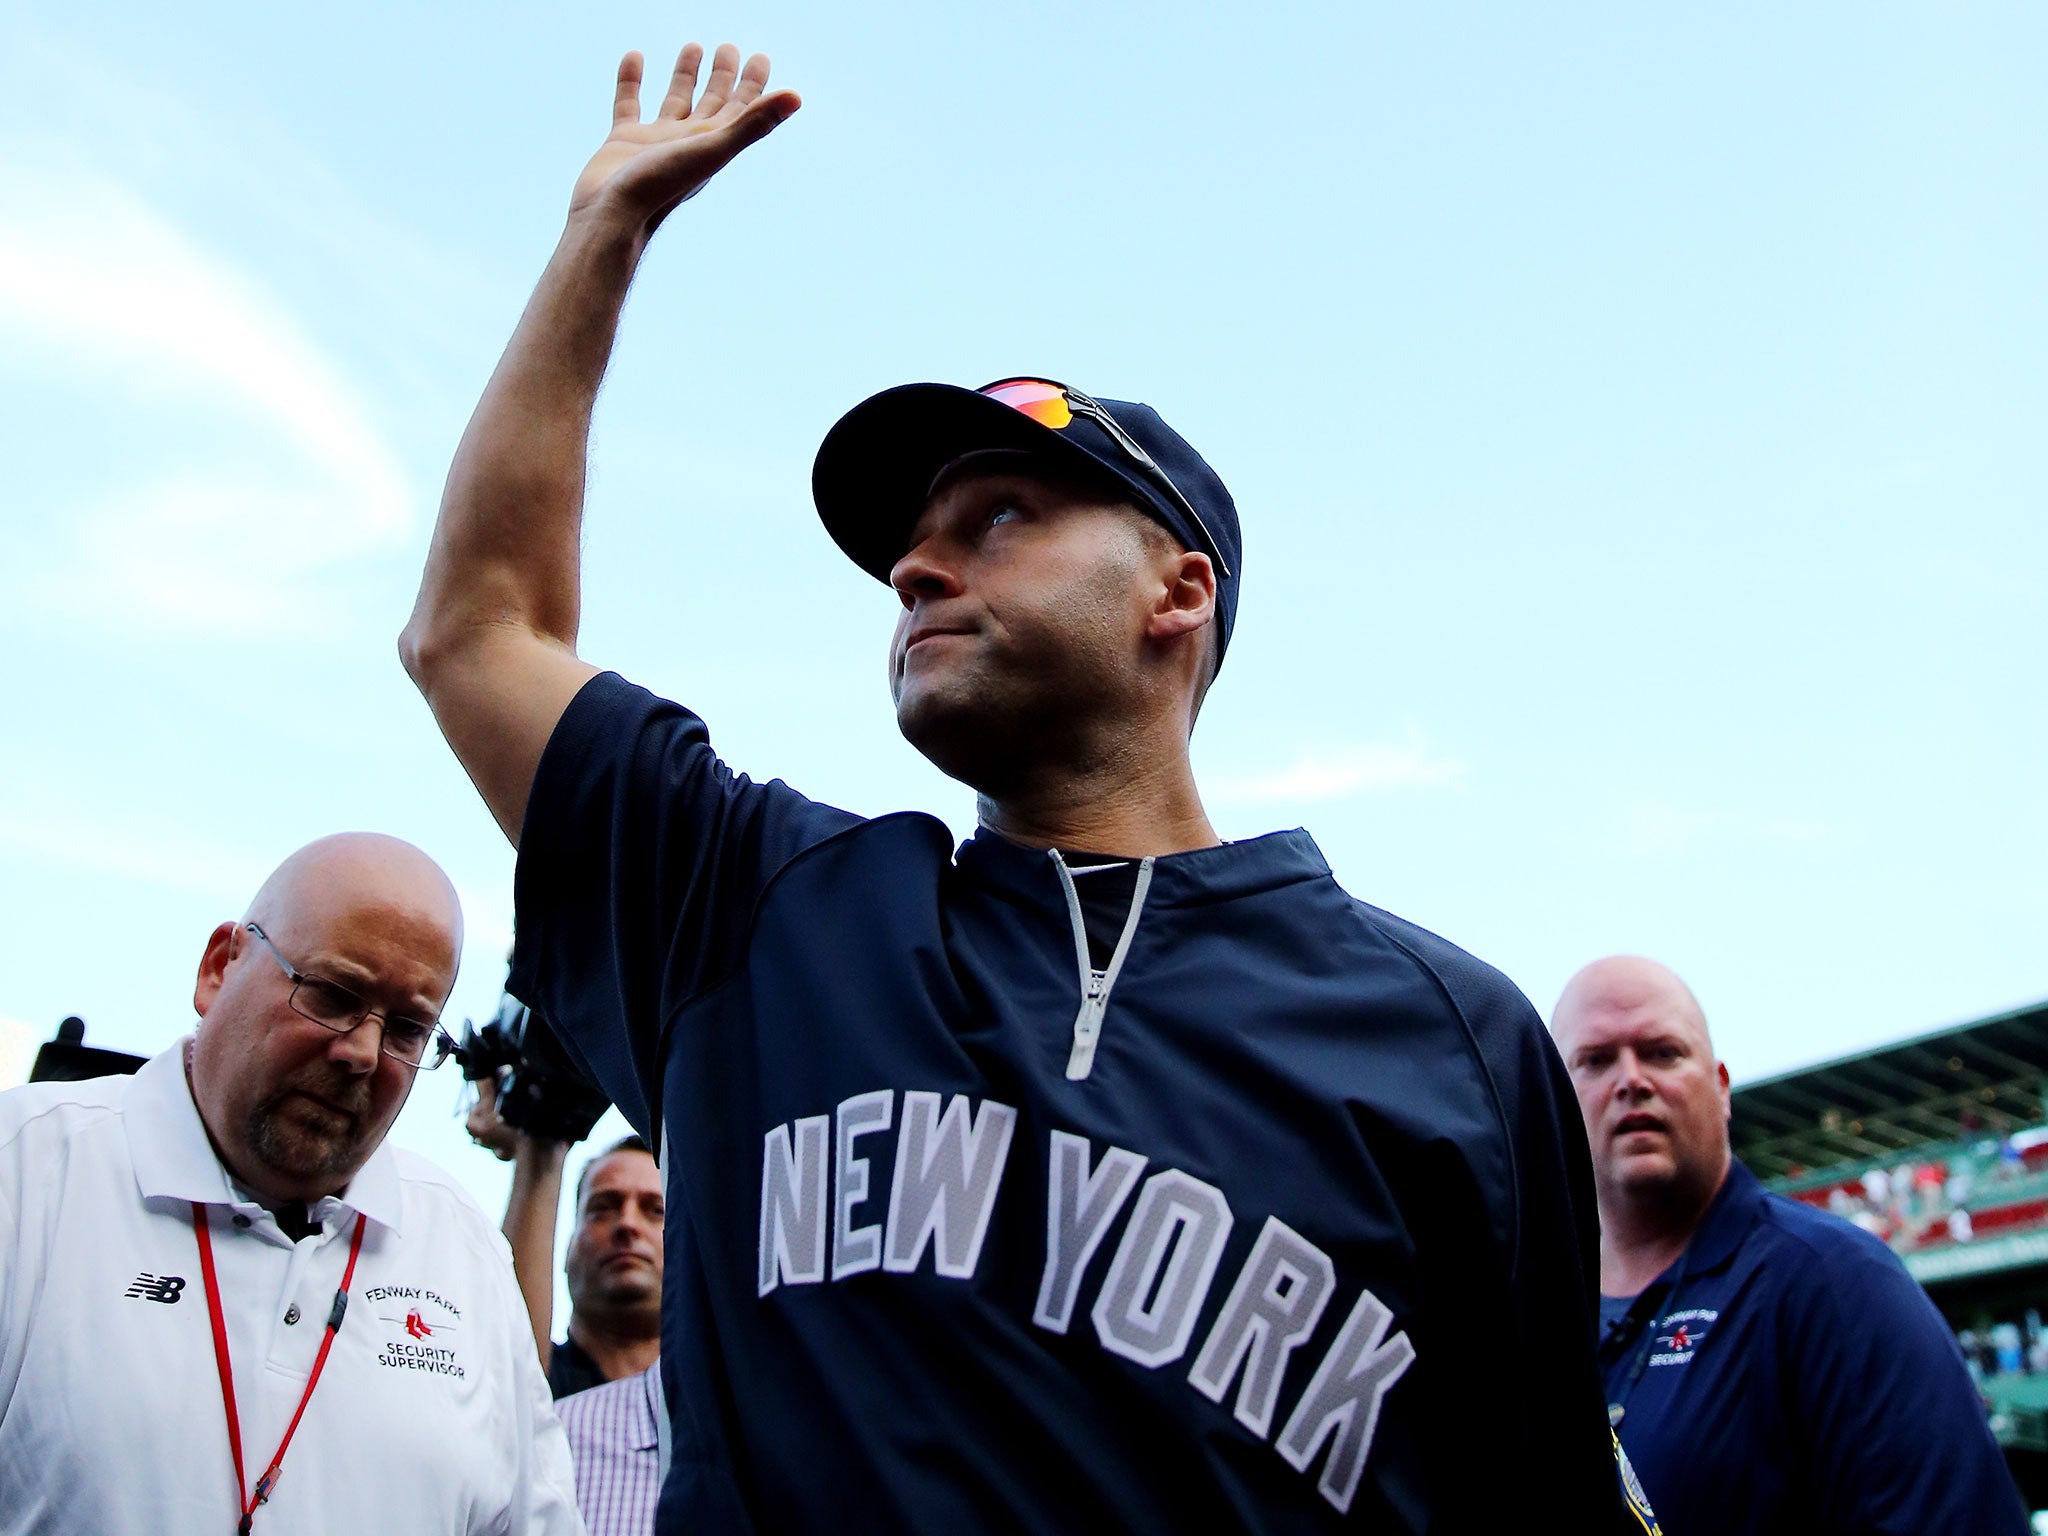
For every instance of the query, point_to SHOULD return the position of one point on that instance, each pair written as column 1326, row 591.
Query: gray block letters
column 951, row 1155
column 1079, row 1206
column 1162, row 1269
column 1275, row 1304
column 793, row 1204
column 856, row 1248
column 948, row 1169
column 1343, row 1399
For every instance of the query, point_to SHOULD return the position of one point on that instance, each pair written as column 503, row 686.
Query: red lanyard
column 268, row 1480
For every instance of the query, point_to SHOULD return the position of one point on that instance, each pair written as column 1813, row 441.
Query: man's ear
column 213, row 967
column 1187, row 597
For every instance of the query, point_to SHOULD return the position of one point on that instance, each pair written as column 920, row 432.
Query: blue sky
column 1627, row 409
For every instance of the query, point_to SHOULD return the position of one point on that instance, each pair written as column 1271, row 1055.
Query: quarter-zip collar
column 1096, row 985
column 1194, row 878
column 1201, row 876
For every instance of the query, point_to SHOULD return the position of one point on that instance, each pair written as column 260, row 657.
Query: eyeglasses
column 420, row 1043
column 1055, row 405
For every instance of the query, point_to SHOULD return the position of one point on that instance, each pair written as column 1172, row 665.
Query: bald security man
column 216, row 1272
column 1770, row 1368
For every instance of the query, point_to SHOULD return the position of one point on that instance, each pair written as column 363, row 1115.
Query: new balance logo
column 163, row 1288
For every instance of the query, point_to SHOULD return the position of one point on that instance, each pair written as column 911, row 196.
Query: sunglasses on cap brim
column 1052, row 404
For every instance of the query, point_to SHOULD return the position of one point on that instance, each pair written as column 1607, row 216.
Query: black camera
column 68, row 1059
column 540, row 1090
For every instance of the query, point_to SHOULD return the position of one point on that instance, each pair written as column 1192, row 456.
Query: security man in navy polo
column 1097, row 1176
column 1770, row 1368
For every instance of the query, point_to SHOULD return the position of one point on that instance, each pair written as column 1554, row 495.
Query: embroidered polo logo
column 1682, row 1335
column 163, row 1288
column 423, row 1325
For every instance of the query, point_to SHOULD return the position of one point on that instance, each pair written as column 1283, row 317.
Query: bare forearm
column 506, row 549
column 530, row 1217
column 492, row 640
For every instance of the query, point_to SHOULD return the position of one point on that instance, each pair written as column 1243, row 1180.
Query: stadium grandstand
column 1939, row 1145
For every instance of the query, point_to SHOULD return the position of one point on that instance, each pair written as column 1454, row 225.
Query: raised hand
column 492, row 640
column 643, row 170
column 486, row 1127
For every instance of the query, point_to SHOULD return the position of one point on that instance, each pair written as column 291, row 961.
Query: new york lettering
column 818, row 1184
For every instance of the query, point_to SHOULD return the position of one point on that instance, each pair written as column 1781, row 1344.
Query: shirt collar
column 174, row 1158
column 1733, row 1212
column 646, row 1434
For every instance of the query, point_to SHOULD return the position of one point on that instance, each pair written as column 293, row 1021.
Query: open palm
column 648, row 168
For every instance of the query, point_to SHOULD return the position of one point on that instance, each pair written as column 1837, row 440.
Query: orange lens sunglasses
column 1055, row 405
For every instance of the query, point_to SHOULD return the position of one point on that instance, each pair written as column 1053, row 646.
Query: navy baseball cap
column 875, row 470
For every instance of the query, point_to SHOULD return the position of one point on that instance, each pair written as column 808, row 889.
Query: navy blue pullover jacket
column 1299, row 1239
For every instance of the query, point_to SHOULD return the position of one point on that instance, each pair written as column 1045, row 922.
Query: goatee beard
column 290, row 1150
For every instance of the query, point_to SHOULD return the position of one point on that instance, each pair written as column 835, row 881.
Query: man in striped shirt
column 614, row 1439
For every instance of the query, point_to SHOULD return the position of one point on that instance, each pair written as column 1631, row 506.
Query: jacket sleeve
column 1524, row 1292
column 640, row 860
column 1554, row 1290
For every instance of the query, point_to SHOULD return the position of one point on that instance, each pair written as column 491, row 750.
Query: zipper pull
column 1087, row 1028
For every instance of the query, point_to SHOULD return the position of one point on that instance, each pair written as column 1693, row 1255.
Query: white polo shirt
column 432, row 1414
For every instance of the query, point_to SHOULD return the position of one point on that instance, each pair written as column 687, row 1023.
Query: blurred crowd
column 1921, row 1202
column 2006, row 1349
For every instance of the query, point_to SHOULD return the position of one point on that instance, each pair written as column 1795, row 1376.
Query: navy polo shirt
column 1787, row 1375
column 1303, row 1242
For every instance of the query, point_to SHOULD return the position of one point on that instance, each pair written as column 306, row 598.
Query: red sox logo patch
column 1679, row 1336
column 422, row 1324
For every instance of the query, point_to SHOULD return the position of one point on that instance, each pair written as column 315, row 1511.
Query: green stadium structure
column 1939, row 1145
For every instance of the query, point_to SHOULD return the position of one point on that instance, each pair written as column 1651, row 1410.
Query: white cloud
column 1653, row 829
column 1337, row 773
column 98, row 286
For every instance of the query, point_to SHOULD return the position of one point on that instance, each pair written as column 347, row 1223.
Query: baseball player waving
column 1095, row 1174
